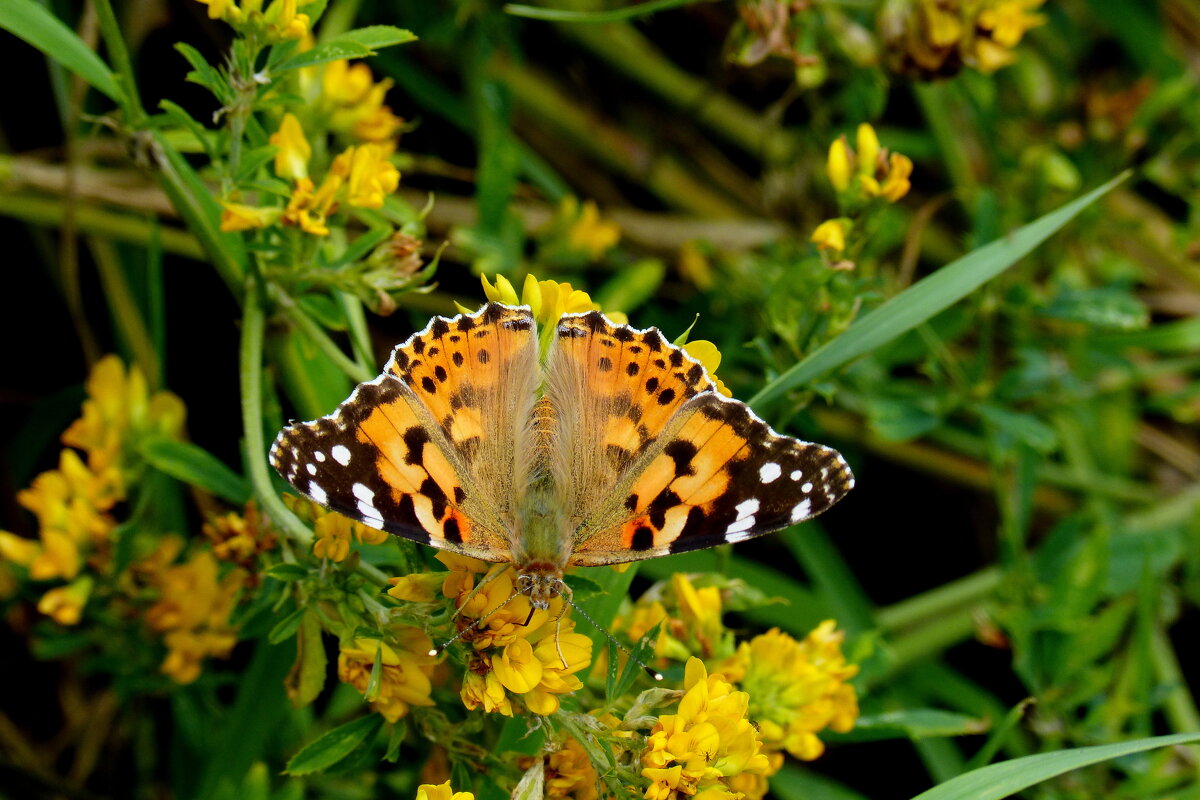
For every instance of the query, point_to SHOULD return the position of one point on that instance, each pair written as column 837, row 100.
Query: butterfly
column 615, row 447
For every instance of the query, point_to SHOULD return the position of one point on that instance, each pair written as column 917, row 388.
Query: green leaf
column 288, row 572
column 357, row 43
column 34, row 24
column 928, row 296
column 596, row 17
column 203, row 73
column 307, row 677
column 286, row 627
column 1001, row 780
column 196, row 466
column 335, row 745
column 917, row 723
column 642, row 653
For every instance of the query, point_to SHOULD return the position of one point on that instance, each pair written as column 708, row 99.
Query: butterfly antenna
column 653, row 673
column 472, row 626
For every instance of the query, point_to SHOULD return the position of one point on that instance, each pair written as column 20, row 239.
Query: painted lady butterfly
column 616, row 448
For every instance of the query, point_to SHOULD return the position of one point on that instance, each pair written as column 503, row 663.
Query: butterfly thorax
column 543, row 550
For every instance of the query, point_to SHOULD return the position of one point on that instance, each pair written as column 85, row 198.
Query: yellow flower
column 372, row 176
column 516, row 667
column 896, row 183
column 707, row 741
column 868, row 172
column 191, row 596
column 306, row 210
column 239, row 538
column 548, row 300
column 187, row 649
column 239, row 217
column 700, row 612
column 482, row 689
column 284, row 23
column 334, row 532
column 838, row 166
column 1008, row 20
column 17, row 549
column 427, row 791
column 405, row 672
column 223, row 9
column 707, row 354
column 797, row 689
column 291, row 160
column 64, row 604
column 419, row 587
column 587, row 233
column 192, row 610
column 119, row 406
column 355, row 102
column 831, row 234
column 569, row 773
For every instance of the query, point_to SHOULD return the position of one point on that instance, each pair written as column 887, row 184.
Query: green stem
column 91, row 220
column 296, row 315
column 360, row 337
column 253, row 325
column 1179, row 705
column 110, row 29
column 956, row 596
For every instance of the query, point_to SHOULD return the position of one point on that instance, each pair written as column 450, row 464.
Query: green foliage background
column 1012, row 367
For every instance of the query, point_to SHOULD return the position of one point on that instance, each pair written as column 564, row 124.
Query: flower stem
column 253, row 324
column 296, row 315
column 110, row 29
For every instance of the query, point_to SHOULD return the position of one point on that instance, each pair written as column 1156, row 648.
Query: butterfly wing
column 427, row 449
column 655, row 461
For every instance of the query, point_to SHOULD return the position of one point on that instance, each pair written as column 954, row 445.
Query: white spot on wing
column 317, row 493
column 769, row 472
column 747, row 508
column 312, row 468
column 739, row 526
column 806, row 488
column 341, row 454
column 796, row 475
column 362, row 492
column 370, row 515
column 318, row 455
column 801, row 510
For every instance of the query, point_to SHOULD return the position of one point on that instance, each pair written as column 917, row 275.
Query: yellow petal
column 867, row 149
column 838, row 166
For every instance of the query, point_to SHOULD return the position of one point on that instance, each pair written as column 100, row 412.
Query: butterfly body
column 614, row 447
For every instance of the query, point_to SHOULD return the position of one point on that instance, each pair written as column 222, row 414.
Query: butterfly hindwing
column 425, row 450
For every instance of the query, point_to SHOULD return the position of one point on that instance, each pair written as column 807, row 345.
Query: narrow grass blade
column 34, row 24
column 1001, row 780
column 928, row 297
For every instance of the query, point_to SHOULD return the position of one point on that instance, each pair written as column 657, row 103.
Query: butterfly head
column 541, row 587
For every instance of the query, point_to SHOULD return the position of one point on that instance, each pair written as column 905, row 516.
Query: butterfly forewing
column 614, row 389
column 426, row 450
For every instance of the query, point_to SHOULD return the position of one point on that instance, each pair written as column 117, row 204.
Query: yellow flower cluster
column 334, row 531
column 861, row 175
column 569, row 773
column 691, row 620
column 586, row 232
column 934, row 38
column 870, row 170
column 517, row 650
column 710, row 740
column 406, row 669
column 429, row 791
column 279, row 22
column 797, row 689
column 73, row 503
column 240, row 538
column 352, row 102
column 192, row 611
column 361, row 175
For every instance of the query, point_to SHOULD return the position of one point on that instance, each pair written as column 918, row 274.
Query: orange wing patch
column 719, row 475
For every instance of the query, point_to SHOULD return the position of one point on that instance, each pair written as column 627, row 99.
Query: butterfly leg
column 570, row 597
